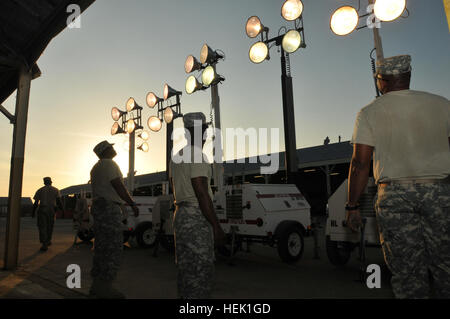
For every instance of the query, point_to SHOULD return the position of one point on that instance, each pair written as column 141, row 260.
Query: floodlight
column 344, row 20
column 116, row 129
column 192, row 64
column 169, row 92
column 291, row 41
column 144, row 135
column 389, row 10
column 208, row 55
column 258, row 52
column 154, row 124
column 132, row 105
column 193, row 85
column 209, row 76
column 144, row 147
column 153, row 99
column 254, row 27
column 168, row 115
column 292, row 9
column 130, row 126
column 116, row 114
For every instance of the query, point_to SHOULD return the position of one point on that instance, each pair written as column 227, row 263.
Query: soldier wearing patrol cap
column 196, row 226
column 109, row 193
column 408, row 133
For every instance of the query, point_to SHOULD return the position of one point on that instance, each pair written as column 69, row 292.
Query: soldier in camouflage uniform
column 408, row 133
column 195, row 223
column 108, row 192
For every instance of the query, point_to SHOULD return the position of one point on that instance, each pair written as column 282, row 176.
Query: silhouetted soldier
column 45, row 200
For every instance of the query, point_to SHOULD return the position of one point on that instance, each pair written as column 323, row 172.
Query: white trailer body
column 267, row 213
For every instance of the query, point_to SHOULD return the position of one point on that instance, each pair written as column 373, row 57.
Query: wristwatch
column 349, row 208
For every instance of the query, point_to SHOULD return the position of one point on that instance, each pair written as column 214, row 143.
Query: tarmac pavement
column 258, row 274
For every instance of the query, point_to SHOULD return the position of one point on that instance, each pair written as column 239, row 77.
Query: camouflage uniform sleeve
column 362, row 133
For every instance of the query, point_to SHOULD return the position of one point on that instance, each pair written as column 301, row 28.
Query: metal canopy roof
column 26, row 28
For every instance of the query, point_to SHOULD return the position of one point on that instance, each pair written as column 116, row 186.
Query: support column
column 16, row 172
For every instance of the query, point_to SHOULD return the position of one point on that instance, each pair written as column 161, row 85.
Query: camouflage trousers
column 108, row 239
column 194, row 248
column 45, row 222
column 414, row 225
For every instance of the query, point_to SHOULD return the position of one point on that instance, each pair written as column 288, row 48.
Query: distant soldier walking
column 408, row 133
column 195, row 223
column 108, row 192
column 45, row 201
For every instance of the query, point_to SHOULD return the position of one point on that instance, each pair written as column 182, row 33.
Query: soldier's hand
column 219, row 236
column 353, row 220
column 135, row 210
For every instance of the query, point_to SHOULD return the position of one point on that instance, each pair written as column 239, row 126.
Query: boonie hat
column 101, row 147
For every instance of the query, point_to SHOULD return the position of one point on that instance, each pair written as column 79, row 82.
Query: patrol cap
column 47, row 180
column 101, row 147
column 194, row 119
column 394, row 65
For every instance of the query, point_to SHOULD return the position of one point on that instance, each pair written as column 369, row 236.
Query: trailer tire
column 145, row 235
column 168, row 243
column 338, row 256
column 290, row 243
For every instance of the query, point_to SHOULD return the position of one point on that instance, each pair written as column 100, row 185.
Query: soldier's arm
column 200, row 186
column 123, row 193
column 357, row 181
column 35, row 206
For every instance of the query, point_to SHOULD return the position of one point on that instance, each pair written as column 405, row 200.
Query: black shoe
column 44, row 247
column 49, row 243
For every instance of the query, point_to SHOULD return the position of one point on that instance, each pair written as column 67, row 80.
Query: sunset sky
column 128, row 48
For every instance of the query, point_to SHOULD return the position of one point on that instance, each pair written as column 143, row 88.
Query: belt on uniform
column 416, row 181
column 186, row 204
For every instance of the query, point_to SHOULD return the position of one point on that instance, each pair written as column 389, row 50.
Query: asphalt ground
column 257, row 274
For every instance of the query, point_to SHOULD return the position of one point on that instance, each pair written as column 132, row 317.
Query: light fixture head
column 210, row 77
column 168, row 115
column 389, row 10
column 153, row 99
column 193, row 85
column 292, row 9
column 144, row 135
column 344, row 20
column 130, row 126
column 192, row 64
column 258, row 52
column 208, row 55
column 154, row 124
column 144, row 147
column 291, row 41
column 169, row 92
column 254, row 27
column 116, row 129
column 116, row 114
column 132, row 105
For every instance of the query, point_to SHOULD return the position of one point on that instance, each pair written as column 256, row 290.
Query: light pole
column 346, row 19
column 130, row 123
column 167, row 114
column 289, row 42
column 208, row 64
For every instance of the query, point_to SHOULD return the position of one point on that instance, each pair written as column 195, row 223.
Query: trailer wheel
column 337, row 254
column 145, row 235
column 290, row 243
column 86, row 235
column 168, row 243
